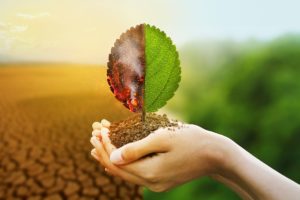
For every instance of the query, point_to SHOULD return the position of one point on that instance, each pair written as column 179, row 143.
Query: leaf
column 162, row 69
column 143, row 69
column 125, row 73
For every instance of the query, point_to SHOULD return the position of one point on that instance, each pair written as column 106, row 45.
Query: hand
column 186, row 153
column 180, row 155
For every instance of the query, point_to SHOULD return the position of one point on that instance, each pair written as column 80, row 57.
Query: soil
column 133, row 129
column 45, row 135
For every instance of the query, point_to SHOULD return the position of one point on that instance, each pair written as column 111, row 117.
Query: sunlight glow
column 84, row 31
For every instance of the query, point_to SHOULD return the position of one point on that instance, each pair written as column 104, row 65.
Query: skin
column 188, row 153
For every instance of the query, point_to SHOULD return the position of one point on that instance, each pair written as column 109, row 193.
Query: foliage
column 143, row 69
column 162, row 69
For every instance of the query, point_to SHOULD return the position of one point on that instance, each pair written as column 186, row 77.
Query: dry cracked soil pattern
column 44, row 144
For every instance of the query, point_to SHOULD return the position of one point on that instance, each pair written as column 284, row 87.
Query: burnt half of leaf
column 126, row 69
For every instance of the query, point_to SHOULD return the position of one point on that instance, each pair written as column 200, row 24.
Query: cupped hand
column 164, row 159
column 167, row 158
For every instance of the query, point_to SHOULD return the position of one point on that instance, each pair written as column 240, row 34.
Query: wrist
column 227, row 157
column 220, row 153
column 213, row 152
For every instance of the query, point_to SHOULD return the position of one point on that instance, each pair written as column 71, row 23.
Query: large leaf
column 162, row 69
column 143, row 69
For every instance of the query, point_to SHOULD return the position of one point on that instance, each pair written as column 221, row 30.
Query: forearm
column 254, row 177
column 219, row 153
column 236, row 188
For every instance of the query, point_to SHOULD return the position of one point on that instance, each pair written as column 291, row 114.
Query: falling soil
column 133, row 129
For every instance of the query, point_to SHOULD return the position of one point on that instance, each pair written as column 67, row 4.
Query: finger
column 109, row 148
column 105, row 123
column 97, row 126
column 97, row 157
column 96, row 133
column 101, row 153
column 94, row 154
column 112, row 168
column 154, row 143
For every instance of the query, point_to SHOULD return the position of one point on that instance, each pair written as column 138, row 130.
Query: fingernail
column 96, row 133
column 104, row 131
column 97, row 125
column 116, row 157
column 105, row 123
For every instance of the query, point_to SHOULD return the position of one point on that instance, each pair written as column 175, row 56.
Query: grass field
column 46, row 112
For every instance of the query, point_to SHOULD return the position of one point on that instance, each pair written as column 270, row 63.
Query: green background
column 248, row 91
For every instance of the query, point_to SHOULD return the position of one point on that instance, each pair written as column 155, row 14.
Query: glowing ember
column 126, row 69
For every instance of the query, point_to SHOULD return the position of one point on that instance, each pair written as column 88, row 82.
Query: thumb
column 153, row 143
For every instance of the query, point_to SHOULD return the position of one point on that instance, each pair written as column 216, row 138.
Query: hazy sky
column 85, row 30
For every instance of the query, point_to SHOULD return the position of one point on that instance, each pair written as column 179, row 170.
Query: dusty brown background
column 46, row 114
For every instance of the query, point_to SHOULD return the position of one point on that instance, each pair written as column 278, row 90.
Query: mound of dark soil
column 133, row 129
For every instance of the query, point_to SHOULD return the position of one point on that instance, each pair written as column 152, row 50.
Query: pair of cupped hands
column 177, row 156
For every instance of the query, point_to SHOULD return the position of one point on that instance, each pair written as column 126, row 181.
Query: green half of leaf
column 162, row 69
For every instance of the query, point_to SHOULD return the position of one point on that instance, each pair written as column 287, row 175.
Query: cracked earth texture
column 46, row 114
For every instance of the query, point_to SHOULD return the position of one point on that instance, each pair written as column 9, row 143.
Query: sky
column 83, row 31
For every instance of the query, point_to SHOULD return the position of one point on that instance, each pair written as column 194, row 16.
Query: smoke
column 129, row 55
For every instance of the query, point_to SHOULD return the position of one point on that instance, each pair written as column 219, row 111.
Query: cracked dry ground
column 45, row 125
